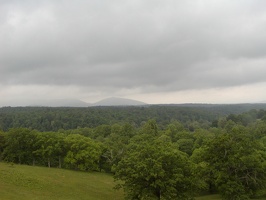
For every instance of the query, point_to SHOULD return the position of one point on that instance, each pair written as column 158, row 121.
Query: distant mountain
column 115, row 101
column 63, row 103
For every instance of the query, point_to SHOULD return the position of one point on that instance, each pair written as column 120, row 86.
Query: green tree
column 186, row 145
column 19, row 146
column 154, row 169
column 174, row 129
column 2, row 143
column 49, row 147
column 115, row 145
column 150, row 127
column 237, row 164
column 82, row 153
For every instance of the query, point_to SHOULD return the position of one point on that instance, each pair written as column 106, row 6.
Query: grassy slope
column 217, row 197
column 26, row 182
column 40, row 183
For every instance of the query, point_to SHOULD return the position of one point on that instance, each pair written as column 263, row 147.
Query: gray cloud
column 153, row 45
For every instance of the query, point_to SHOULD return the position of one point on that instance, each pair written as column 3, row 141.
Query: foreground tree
column 19, row 146
column 237, row 163
column 49, row 147
column 82, row 152
column 154, row 169
column 2, row 143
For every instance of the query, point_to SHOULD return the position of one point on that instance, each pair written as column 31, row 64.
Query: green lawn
column 217, row 197
column 40, row 183
column 209, row 197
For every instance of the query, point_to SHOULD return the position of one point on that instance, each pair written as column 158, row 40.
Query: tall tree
column 238, row 164
column 49, row 147
column 82, row 152
column 154, row 169
column 19, row 143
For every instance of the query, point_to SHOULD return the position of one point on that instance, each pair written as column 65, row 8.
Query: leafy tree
column 49, row 147
column 102, row 132
column 115, row 145
column 150, row 127
column 82, row 152
column 202, row 136
column 2, row 143
column 154, row 169
column 174, row 129
column 258, row 130
column 19, row 143
column 202, row 170
column 186, row 145
column 237, row 164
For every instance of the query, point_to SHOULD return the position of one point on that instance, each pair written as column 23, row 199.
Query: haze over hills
column 115, row 101
column 65, row 103
column 112, row 101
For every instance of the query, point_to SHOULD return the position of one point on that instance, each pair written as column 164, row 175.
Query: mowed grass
column 41, row 183
column 209, row 197
column 217, row 197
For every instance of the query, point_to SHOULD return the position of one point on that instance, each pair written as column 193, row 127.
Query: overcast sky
column 156, row 51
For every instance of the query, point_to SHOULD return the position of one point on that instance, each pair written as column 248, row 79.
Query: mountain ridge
column 117, row 101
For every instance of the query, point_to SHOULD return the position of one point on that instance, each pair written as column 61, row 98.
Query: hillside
column 41, row 183
column 114, row 101
column 64, row 103
column 26, row 182
column 53, row 119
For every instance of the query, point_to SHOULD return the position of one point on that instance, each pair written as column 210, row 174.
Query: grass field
column 217, row 197
column 41, row 183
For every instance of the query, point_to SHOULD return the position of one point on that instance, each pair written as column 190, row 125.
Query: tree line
column 54, row 119
column 156, row 162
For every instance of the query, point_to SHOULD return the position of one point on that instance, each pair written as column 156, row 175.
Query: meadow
column 26, row 182
column 41, row 183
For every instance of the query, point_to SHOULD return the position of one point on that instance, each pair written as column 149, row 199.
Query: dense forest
column 54, row 119
column 154, row 152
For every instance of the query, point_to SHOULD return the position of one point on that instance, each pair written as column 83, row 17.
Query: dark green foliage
column 190, row 115
column 19, row 146
column 158, row 152
column 2, row 143
column 237, row 164
column 50, row 148
column 82, row 153
column 153, row 168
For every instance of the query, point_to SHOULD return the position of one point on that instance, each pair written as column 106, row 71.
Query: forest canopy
column 156, row 152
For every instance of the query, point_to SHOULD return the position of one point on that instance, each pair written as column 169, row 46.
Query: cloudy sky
column 156, row 51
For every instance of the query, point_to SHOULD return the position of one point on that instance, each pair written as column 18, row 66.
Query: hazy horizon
column 158, row 52
column 109, row 101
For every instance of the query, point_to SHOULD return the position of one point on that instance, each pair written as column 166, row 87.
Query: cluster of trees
column 156, row 162
column 73, row 151
column 176, row 164
column 54, row 119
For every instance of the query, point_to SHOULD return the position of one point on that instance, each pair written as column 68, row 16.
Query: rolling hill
column 28, row 182
column 115, row 101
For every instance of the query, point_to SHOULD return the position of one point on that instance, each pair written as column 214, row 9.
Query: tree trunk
column 59, row 162
column 49, row 163
column 158, row 194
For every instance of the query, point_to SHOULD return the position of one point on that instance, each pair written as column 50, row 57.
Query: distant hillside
column 114, row 101
column 62, row 103
column 53, row 119
column 46, row 103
